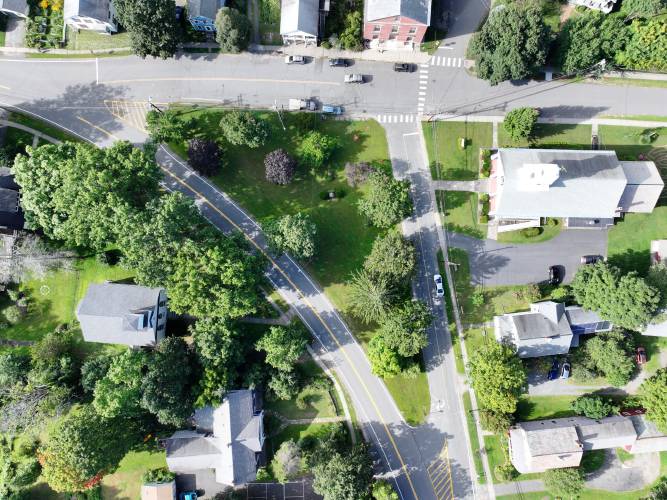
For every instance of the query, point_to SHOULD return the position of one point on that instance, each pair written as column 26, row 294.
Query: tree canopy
column 73, row 191
column 392, row 257
column 564, row 483
column 653, row 393
column 232, row 30
column 204, row 156
column 382, row 490
column 643, row 8
column 387, row 201
column 316, row 149
column 244, row 128
column 593, row 406
column 611, row 355
column 512, row 43
column 369, row 296
column 151, row 24
column 344, row 476
column 165, row 126
column 497, row 376
column 385, row 361
column 625, row 300
column 519, row 122
column 280, row 167
column 647, row 47
column 295, row 234
column 118, row 393
column 404, row 328
column 286, row 463
column 284, row 345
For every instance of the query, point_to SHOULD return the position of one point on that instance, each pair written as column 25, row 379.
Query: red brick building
column 396, row 24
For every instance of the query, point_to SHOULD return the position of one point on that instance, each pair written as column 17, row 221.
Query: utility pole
column 150, row 102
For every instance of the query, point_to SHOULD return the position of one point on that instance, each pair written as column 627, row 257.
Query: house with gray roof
column 11, row 215
column 396, row 24
column 584, row 188
column 93, row 15
column 201, row 14
column 299, row 21
column 548, row 329
column 18, row 8
column 113, row 313
column 228, row 439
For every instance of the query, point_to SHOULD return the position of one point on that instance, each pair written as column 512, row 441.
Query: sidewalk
column 518, row 487
column 564, row 121
column 408, row 56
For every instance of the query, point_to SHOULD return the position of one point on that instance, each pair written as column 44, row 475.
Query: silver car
column 354, row 78
column 439, row 289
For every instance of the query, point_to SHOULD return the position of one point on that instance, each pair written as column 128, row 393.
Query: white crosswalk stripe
column 409, row 118
column 450, row 62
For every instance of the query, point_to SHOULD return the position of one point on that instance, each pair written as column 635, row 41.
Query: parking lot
column 298, row 490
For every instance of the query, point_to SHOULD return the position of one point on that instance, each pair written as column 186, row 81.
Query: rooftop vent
column 538, row 176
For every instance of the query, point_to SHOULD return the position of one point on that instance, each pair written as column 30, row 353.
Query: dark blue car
column 553, row 371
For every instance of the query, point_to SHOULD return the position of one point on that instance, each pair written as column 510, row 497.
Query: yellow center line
column 217, row 79
column 98, row 128
column 307, row 302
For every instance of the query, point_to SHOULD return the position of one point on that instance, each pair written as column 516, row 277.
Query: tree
column 93, row 370
column 232, row 30
column 519, row 122
column 214, row 278
column 657, row 278
column 13, row 314
column 382, row 490
column 166, row 126
column 495, row 422
column 286, row 464
column 118, row 393
column 151, row 24
column 369, row 296
column 647, row 47
column 54, row 361
column 658, row 491
column 158, row 475
column 292, row 233
column 204, row 156
column 387, row 201
column 385, row 361
column 344, row 477
column 610, row 353
column 316, row 149
column 82, row 447
column 564, row 483
column 392, row 257
column 497, row 376
column 404, row 328
column 17, row 470
column 167, row 384
column 284, row 345
column 350, row 38
column 643, row 8
column 14, row 367
column 653, row 392
column 593, row 406
column 588, row 39
column 218, row 346
column 625, row 300
column 284, row 384
column 73, row 191
column 243, row 128
column 280, row 167
column 512, row 43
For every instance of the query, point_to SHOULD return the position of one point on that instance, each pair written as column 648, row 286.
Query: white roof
column 418, row 10
column 299, row 16
column 644, row 186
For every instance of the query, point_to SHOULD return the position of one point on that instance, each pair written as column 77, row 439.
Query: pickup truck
column 329, row 109
column 299, row 104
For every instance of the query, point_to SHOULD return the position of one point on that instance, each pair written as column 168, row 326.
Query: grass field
column 88, row 40
column 456, row 344
column 451, row 162
column 635, row 82
column 474, row 439
column 295, row 432
column 125, row 482
column 459, row 209
column 542, row 407
column 498, row 456
column 411, row 395
column 55, row 297
column 550, row 136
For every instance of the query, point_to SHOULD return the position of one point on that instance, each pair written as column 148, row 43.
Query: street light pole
column 150, row 102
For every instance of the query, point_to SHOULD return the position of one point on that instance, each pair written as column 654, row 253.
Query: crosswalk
column 451, row 62
column 132, row 113
column 409, row 118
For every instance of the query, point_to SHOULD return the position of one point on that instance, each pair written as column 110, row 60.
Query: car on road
column 565, row 370
column 339, row 62
column 327, row 109
column 555, row 276
column 353, row 78
column 439, row 289
column 295, row 60
column 553, row 371
column 403, row 68
column 591, row 259
column 641, row 355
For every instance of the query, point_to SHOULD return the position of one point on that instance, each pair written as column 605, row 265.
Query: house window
column 409, row 39
column 377, row 27
column 375, row 37
column 392, row 37
column 394, row 29
column 412, row 31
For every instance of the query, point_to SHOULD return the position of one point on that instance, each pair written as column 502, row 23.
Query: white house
column 299, row 21
column 93, row 15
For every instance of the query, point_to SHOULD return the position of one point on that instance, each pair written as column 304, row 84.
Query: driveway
column 634, row 474
column 494, row 264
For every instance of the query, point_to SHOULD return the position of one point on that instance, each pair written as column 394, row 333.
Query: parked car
column 641, row 355
column 565, row 370
column 300, row 104
column 590, row 259
column 439, row 289
column 555, row 276
column 295, row 60
column 188, row 495
column 353, row 78
column 553, row 371
column 339, row 63
column 595, row 141
column 403, row 68
column 332, row 110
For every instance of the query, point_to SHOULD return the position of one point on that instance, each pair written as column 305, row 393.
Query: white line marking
column 423, row 71
column 40, row 61
column 411, row 133
column 422, row 93
column 424, row 65
column 401, row 120
column 97, row 70
column 449, row 61
column 460, row 62
column 422, row 98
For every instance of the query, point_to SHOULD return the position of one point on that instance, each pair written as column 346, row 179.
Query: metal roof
column 299, row 16
column 205, row 8
column 418, row 10
column 95, row 9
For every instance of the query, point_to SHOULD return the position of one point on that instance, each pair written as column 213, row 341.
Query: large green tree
column 498, row 376
column 14, row 368
column 512, row 43
column 392, row 257
column 295, row 234
column 19, row 469
column 284, row 345
column 244, row 128
column 316, row 148
column 647, row 47
column 564, row 483
column 404, row 328
column 344, row 476
column 369, row 296
column 653, row 393
column 82, row 447
column 519, row 122
column 74, row 191
column 382, row 490
column 118, row 393
column 55, row 360
column 643, row 8
column 387, row 200
column 611, row 355
column 232, row 30
column 593, row 406
column 151, row 24
column 385, row 361
column 625, row 300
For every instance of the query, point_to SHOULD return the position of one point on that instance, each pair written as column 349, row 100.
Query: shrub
column 13, row 294
column 519, row 122
column 356, row 173
column 505, row 472
column 243, row 128
column 483, row 219
column 13, row 314
column 324, row 195
column 531, row 232
column 495, row 422
column 560, row 294
column 263, row 475
column 484, row 197
column 564, row 483
column 325, row 44
column 159, row 475
column 279, row 167
column 232, row 30
column 593, row 406
column 551, row 221
column 204, row 156
column 316, row 148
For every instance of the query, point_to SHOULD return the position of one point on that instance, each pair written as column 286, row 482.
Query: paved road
column 493, row 263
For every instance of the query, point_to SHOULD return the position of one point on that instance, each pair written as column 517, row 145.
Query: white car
column 295, row 60
column 439, row 289
column 354, row 78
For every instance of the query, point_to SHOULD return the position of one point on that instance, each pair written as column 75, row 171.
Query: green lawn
column 451, row 162
column 459, row 209
column 46, row 55
column 627, row 142
column 295, row 432
column 474, row 439
column 542, row 407
column 517, row 237
column 551, row 136
column 344, row 238
column 623, row 455
column 34, row 123
column 3, row 27
column 125, row 482
column 633, row 81
column 456, row 344
column 55, row 297
column 411, row 395
column 88, row 40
